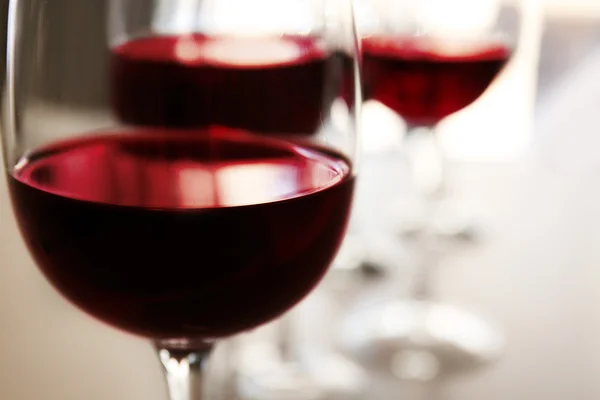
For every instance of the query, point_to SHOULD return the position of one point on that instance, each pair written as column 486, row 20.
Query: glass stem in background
column 422, row 286
column 284, row 339
column 426, row 163
column 185, row 366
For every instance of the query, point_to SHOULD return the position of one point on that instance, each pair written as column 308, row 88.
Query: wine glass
column 174, row 166
column 426, row 60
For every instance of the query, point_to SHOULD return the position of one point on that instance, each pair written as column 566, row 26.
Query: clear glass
column 425, row 61
column 182, row 170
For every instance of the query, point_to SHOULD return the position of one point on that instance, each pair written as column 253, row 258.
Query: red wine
column 282, row 85
column 425, row 83
column 168, row 235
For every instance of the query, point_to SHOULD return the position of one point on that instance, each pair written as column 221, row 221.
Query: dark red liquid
column 424, row 83
column 281, row 85
column 175, row 235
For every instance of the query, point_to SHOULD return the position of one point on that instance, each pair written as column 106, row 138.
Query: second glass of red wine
column 212, row 188
column 426, row 60
column 424, row 63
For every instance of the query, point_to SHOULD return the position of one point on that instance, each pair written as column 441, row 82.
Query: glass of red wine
column 424, row 61
column 181, row 170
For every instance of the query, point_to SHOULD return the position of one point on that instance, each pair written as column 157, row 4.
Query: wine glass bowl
column 140, row 268
column 214, row 190
column 424, row 80
column 205, row 85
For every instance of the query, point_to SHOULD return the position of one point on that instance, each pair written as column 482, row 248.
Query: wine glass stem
column 427, row 167
column 284, row 337
column 422, row 288
column 426, row 162
column 184, row 369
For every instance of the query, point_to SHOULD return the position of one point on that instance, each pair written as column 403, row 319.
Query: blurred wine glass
column 425, row 61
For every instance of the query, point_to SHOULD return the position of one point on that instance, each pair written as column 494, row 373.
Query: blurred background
column 525, row 160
